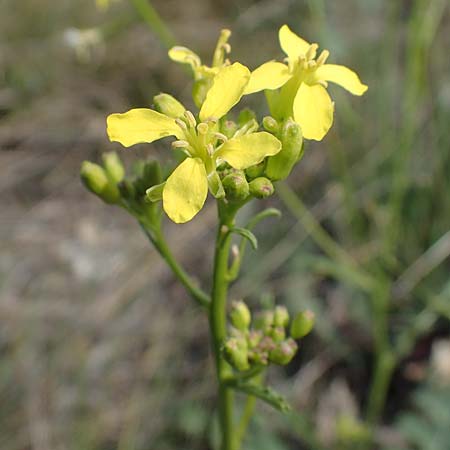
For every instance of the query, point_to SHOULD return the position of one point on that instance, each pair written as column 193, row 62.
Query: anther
column 190, row 118
column 181, row 124
column 180, row 144
column 221, row 137
column 202, row 128
column 312, row 64
column 323, row 83
column 210, row 149
column 323, row 57
column 226, row 47
column 312, row 51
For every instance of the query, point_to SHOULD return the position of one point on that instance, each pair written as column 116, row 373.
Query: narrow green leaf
column 247, row 234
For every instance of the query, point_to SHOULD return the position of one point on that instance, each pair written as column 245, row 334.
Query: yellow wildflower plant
column 185, row 191
column 203, row 74
column 303, row 82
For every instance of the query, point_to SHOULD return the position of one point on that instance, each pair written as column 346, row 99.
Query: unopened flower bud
column 126, row 189
column 280, row 165
column 302, row 324
column 284, row 352
column 235, row 352
column 168, row 105
column 254, row 338
column 255, row 171
column 200, row 89
column 278, row 334
column 95, row 179
column 264, row 321
column 259, row 357
column 281, row 316
column 261, row 187
column 150, row 175
column 240, row 315
column 228, row 128
column 236, row 186
column 245, row 116
column 113, row 167
column 270, row 124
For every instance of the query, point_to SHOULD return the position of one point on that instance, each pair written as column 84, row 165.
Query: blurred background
column 100, row 347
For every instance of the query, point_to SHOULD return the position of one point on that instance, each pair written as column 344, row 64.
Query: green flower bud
column 236, row 186
column 245, row 116
column 302, row 324
column 259, row 357
column 278, row 334
column 240, row 315
column 113, row 167
column 254, row 338
column 127, row 191
column 168, row 105
column 270, row 124
column 235, row 352
column 255, row 171
column 281, row 316
column 280, row 165
column 228, row 128
column 284, row 352
column 95, row 179
column 150, row 175
column 264, row 321
column 261, row 187
column 200, row 89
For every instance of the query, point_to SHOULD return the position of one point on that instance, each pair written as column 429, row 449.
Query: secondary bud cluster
column 268, row 338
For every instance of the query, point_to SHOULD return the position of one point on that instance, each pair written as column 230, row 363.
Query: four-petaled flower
column 303, row 83
column 186, row 189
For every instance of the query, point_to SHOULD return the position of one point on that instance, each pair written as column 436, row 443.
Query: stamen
column 312, row 64
column 323, row 57
column 210, row 149
column 180, row 144
column 221, row 137
column 226, row 47
column 202, row 128
column 312, row 51
column 181, row 124
column 190, row 118
column 322, row 83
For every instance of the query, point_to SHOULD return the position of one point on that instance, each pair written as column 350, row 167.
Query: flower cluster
column 235, row 160
column 267, row 341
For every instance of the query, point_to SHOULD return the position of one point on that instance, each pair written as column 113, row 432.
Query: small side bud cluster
column 109, row 183
column 102, row 180
column 264, row 339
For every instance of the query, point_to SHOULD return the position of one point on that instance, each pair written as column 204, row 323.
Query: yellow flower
column 186, row 189
column 203, row 74
column 303, row 82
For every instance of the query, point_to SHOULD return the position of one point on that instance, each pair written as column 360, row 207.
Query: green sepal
column 261, row 187
column 236, row 185
column 154, row 193
column 95, row 179
column 215, row 185
column 279, row 166
column 168, row 105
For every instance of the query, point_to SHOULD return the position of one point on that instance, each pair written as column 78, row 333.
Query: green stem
column 217, row 319
column 157, row 239
column 151, row 17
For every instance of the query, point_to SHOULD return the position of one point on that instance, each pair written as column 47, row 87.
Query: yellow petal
column 292, row 45
column 313, row 111
column 227, row 89
column 185, row 191
column 245, row 151
column 270, row 75
column 140, row 125
column 343, row 76
column 184, row 55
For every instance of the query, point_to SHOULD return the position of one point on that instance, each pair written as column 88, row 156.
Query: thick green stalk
column 217, row 320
